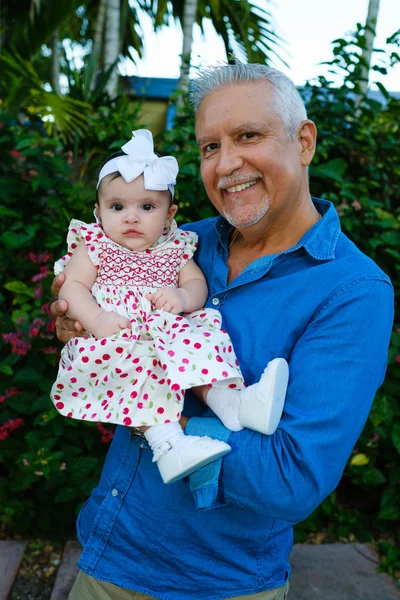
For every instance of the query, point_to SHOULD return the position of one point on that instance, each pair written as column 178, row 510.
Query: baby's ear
column 172, row 212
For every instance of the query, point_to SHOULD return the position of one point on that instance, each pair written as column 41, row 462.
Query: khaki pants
column 89, row 588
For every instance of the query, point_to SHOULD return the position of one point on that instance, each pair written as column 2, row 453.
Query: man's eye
column 210, row 147
column 117, row 207
column 249, row 135
column 147, row 207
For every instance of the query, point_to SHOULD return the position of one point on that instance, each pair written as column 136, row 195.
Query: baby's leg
column 108, row 323
column 178, row 455
column 258, row 407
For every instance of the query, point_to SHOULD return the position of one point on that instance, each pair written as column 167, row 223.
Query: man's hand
column 66, row 328
column 169, row 299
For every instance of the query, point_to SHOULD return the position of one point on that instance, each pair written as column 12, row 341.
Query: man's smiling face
column 249, row 167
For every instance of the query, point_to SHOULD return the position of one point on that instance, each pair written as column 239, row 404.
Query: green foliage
column 180, row 141
column 357, row 166
column 26, row 94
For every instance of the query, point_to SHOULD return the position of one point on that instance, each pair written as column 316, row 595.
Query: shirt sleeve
column 90, row 233
column 336, row 367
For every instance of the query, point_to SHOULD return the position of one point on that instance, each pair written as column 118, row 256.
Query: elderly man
column 288, row 283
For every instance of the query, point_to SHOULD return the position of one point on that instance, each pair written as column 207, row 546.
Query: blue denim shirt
column 327, row 309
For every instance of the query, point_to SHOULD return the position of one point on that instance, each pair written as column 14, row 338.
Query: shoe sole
column 195, row 466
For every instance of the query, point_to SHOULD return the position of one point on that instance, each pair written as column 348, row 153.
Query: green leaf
column 15, row 240
column 396, row 436
column 333, row 169
column 391, row 512
column 82, row 467
column 19, row 287
column 7, row 212
column 66, row 494
column 6, row 369
column 373, row 476
column 28, row 375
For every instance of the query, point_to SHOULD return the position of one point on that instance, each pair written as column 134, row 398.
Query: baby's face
column 132, row 216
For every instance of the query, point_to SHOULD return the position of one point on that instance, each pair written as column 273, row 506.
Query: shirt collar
column 319, row 241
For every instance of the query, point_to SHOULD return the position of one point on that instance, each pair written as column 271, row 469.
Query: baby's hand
column 169, row 299
column 109, row 323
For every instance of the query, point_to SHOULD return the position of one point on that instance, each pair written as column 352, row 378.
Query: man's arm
column 335, row 369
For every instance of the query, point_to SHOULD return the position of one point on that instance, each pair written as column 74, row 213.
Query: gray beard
column 240, row 223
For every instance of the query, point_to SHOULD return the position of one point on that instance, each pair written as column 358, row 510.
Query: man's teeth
column 242, row 186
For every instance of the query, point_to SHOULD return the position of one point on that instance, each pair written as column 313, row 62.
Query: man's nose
column 229, row 160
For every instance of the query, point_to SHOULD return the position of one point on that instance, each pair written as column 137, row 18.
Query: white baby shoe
column 262, row 403
column 181, row 457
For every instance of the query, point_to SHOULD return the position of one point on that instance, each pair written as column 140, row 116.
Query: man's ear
column 172, row 212
column 307, row 137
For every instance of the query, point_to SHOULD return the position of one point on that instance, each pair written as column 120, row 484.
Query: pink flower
column 9, row 426
column 43, row 272
column 8, row 393
column 50, row 350
column 38, row 293
column 18, row 345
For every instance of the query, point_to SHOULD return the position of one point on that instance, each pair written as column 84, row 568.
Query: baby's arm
column 189, row 296
column 80, row 275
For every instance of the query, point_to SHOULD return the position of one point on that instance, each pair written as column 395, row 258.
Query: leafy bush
column 357, row 167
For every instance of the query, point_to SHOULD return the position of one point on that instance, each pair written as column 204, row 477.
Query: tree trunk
column 370, row 33
column 55, row 63
column 98, row 40
column 111, row 44
column 189, row 18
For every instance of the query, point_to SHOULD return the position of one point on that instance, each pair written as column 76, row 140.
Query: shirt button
column 114, row 492
column 215, row 301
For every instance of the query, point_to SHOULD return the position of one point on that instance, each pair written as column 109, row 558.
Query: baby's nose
column 132, row 215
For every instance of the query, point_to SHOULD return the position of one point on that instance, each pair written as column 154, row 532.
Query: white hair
column 287, row 102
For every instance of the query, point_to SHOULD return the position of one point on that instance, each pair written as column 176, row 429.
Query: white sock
column 156, row 435
column 225, row 402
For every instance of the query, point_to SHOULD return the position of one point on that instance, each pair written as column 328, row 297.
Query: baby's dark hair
column 117, row 174
column 113, row 175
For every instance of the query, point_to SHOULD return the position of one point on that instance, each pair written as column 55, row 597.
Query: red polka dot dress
column 138, row 376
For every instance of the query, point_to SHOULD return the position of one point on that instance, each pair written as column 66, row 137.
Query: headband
column 159, row 173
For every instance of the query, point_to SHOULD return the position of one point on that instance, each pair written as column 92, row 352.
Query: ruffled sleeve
column 91, row 233
column 189, row 239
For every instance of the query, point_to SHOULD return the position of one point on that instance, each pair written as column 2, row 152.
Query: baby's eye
column 116, row 207
column 147, row 207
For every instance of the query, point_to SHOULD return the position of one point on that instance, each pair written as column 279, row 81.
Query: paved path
column 323, row 572
column 338, row 572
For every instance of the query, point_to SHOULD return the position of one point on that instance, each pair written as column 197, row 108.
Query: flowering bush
column 45, row 461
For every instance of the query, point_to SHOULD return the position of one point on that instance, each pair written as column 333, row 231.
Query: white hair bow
column 159, row 172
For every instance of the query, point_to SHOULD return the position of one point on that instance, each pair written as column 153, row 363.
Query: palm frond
column 158, row 10
column 247, row 30
column 26, row 95
column 38, row 25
